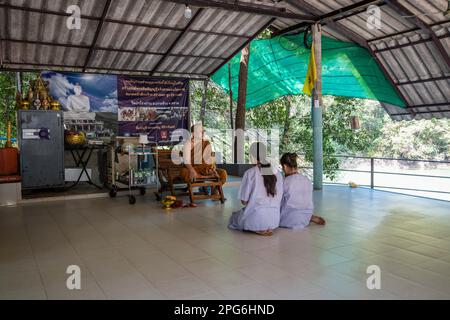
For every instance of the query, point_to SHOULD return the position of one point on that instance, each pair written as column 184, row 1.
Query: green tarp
column 278, row 67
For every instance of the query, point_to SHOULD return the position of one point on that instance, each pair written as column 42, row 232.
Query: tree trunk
column 240, row 109
column 242, row 89
column 287, row 120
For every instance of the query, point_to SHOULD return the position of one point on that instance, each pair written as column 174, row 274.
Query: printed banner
column 89, row 101
column 121, row 105
column 156, row 106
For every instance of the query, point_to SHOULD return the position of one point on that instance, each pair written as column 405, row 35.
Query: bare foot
column 318, row 220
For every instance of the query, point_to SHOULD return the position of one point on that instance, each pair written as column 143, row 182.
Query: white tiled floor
column 144, row 252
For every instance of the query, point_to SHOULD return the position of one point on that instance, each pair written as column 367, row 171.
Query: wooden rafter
column 97, row 34
column 131, row 51
column 240, row 6
column 354, row 8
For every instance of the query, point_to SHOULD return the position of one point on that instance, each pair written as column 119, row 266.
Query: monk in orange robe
column 198, row 159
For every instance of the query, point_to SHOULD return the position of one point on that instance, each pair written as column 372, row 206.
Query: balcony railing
column 377, row 169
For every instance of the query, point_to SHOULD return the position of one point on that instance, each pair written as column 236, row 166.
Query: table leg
column 85, row 170
column 84, row 164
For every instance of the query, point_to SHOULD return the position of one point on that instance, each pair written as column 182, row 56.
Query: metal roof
column 124, row 36
column 152, row 37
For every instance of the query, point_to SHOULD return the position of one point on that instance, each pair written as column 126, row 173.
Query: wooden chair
column 205, row 181
column 169, row 173
column 170, row 180
column 211, row 182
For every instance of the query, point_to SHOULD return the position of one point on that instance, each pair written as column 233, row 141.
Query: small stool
column 212, row 182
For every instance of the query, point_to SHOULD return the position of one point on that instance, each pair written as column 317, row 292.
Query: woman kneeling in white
column 260, row 192
column 297, row 203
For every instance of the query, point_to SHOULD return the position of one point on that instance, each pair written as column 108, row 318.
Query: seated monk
column 198, row 159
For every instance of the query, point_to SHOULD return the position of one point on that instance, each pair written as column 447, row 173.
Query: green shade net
column 278, row 67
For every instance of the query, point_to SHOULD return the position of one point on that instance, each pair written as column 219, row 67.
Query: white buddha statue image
column 78, row 106
column 78, row 102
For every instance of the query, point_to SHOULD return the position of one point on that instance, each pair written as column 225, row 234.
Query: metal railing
column 373, row 172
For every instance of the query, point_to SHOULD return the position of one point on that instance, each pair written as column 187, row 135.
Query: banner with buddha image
column 89, row 101
column 121, row 105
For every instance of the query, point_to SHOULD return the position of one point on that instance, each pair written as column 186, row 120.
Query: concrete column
column 316, row 113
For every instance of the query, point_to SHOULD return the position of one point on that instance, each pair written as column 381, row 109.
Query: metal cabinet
column 41, row 143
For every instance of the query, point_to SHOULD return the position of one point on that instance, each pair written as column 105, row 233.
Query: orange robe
column 203, row 168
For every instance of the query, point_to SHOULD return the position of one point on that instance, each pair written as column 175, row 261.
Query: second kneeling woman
column 297, row 204
column 260, row 192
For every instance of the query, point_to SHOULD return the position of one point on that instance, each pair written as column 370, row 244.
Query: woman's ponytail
column 259, row 150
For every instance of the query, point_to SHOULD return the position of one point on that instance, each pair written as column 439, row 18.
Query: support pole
column 372, row 172
column 316, row 113
column 239, row 120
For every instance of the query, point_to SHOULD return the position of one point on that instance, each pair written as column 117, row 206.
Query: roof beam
column 431, row 105
column 360, row 6
column 240, row 6
column 50, row 66
column 422, row 25
column 175, row 42
column 97, row 33
column 443, row 78
column 131, row 51
column 405, row 31
column 420, row 112
column 408, row 44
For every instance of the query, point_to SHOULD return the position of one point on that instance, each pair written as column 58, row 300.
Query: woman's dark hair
column 289, row 160
column 259, row 151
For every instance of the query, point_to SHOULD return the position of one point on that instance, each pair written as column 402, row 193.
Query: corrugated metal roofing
column 154, row 37
column 136, row 36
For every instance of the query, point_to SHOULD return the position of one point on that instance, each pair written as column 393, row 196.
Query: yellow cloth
column 311, row 75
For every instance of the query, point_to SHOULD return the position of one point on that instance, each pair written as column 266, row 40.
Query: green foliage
column 271, row 115
column 424, row 139
column 217, row 105
column 338, row 137
column 8, row 99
